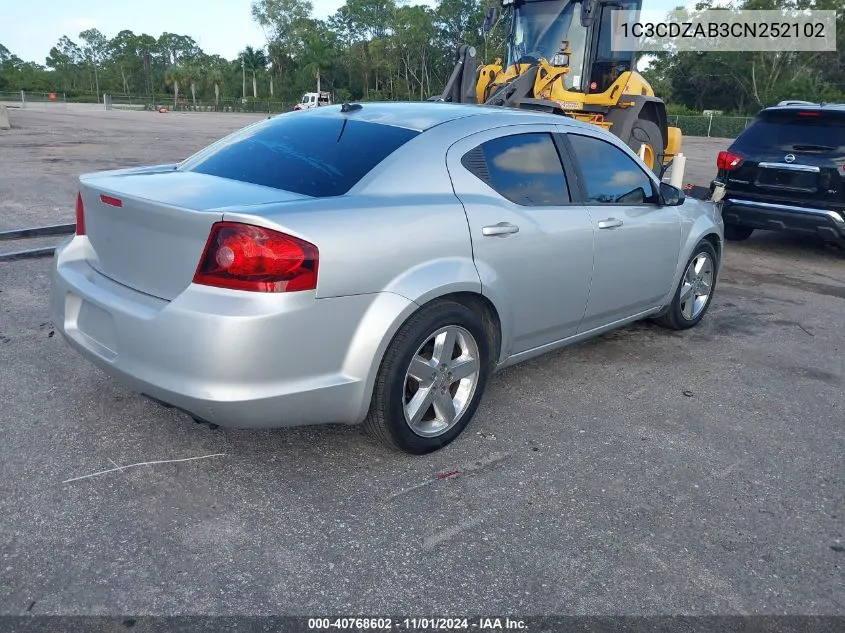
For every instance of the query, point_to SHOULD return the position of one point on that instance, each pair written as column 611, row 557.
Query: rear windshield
column 310, row 155
column 790, row 132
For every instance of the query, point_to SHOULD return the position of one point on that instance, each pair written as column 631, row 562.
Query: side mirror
column 589, row 12
column 490, row 20
column 559, row 60
column 671, row 196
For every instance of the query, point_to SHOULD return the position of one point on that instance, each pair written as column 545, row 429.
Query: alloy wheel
column 697, row 286
column 441, row 381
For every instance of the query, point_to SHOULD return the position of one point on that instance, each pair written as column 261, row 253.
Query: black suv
column 786, row 171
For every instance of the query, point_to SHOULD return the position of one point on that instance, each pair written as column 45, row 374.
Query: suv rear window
column 790, row 131
column 310, row 155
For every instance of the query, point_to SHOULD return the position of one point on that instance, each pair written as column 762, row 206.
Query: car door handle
column 610, row 223
column 502, row 228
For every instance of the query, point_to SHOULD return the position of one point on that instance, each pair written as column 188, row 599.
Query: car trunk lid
column 148, row 228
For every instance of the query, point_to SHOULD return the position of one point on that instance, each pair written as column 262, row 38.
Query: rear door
column 533, row 247
column 792, row 155
column 637, row 240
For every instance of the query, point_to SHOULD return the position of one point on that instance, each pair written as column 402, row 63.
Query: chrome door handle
column 502, row 228
column 610, row 223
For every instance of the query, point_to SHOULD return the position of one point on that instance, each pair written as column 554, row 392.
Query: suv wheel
column 737, row 233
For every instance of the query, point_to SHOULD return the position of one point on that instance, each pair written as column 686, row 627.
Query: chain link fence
column 717, row 126
column 129, row 102
column 25, row 99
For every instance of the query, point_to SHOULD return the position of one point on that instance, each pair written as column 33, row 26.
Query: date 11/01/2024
column 417, row 624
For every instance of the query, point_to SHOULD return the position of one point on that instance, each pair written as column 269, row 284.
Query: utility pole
column 96, row 77
column 243, row 73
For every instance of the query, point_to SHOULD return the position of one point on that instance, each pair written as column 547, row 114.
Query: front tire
column 695, row 290
column 647, row 132
column 431, row 379
column 737, row 233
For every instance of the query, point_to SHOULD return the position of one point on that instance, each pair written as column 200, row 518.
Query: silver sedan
column 373, row 264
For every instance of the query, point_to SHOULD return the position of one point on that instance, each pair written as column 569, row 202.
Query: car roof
column 786, row 106
column 424, row 115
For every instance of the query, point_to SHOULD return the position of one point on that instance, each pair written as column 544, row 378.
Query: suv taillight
column 247, row 257
column 728, row 161
column 80, row 215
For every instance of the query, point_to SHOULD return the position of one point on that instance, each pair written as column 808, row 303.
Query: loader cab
column 608, row 58
column 538, row 29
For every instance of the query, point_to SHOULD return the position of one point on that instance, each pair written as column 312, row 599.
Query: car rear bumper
column 825, row 223
column 228, row 357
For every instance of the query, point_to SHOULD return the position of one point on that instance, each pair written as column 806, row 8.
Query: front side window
column 610, row 175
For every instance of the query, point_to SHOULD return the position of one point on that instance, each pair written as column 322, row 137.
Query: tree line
column 388, row 50
column 369, row 49
column 744, row 82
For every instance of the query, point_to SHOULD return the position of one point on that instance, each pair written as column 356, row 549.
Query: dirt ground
column 643, row 472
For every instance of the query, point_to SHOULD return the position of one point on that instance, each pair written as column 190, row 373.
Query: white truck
column 314, row 100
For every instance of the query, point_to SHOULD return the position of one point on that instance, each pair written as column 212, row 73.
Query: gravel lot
column 643, row 472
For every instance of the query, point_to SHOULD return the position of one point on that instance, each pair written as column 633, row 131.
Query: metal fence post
column 23, row 99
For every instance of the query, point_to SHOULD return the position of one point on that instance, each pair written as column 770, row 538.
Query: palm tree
column 274, row 57
column 216, row 70
column 192, row 74
column 317, row 56
column 215, row 78
column 254, row 60
column 174, row 76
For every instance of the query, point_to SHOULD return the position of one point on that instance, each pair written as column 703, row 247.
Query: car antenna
column 349, row 107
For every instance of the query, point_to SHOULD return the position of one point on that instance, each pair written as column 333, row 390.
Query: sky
column 223, row 27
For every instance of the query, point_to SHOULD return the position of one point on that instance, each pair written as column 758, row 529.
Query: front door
column 533, row 247
column 637, row 240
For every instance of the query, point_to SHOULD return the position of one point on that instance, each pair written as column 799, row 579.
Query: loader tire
column 645, row 131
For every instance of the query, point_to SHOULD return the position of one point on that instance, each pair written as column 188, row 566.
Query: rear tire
column 737, row 233
column 645, row 131
column 431, row 379
column 695, row 290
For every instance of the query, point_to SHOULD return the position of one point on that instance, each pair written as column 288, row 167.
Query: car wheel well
column 717, row 245
column 488, row 314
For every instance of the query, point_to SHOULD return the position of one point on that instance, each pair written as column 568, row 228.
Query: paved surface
column 643, row 472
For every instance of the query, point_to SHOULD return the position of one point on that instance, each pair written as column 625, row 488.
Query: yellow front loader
column 567, row 57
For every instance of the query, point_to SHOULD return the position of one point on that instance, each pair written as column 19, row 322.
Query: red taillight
column 808, row 114
column 111, row 200
column 247, row 257
column 80, row 215
column 728, row 161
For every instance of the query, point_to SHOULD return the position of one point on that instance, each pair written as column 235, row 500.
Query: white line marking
column 122, row 468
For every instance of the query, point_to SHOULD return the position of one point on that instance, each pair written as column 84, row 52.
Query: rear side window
column 794, row 132
column 610, row 175
column 310, row 155
column 524, row 168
